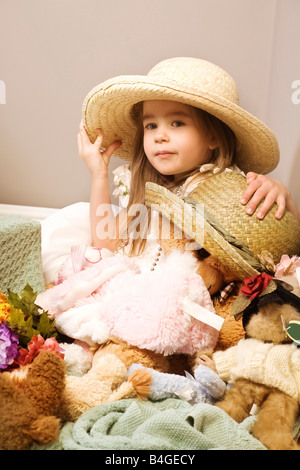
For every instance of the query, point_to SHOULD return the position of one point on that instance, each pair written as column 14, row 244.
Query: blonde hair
column 142, row 171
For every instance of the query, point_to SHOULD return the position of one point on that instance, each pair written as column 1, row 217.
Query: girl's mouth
column 163, row 154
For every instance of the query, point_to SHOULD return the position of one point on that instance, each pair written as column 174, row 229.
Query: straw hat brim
column 197, row 214
column 109, row 106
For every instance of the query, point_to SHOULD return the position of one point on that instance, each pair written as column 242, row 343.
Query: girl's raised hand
column 96, row 160
column 272, row 191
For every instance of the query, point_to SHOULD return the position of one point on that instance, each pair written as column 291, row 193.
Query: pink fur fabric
column 144, row 309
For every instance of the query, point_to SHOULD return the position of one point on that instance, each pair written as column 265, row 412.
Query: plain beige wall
column 52, row 52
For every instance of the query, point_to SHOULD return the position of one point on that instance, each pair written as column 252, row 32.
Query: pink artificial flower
column 287, row 266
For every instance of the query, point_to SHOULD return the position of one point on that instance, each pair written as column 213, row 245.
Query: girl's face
column 175, row 142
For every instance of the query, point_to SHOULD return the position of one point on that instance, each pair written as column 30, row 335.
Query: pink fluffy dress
column 168, row 310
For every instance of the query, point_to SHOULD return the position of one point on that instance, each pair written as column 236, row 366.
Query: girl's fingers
column 113, row 147
column 98, row 141
column 281, row 203
column 83, row 134
column 110, row 150
column 257, row 197
column 85, row 146
column 269, row 199
column 265, row 190
column 266, row 206
column 251, row 176
column 251, row 189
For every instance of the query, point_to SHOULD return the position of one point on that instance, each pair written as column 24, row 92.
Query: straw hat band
column 187, row 80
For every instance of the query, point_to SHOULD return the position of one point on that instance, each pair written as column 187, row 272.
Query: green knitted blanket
column 20, row 254
column 170, row 424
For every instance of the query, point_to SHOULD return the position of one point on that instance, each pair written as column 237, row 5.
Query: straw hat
column 213, row 216
column 196, row 82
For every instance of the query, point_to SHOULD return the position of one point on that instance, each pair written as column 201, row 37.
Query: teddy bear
column 263, row 369
column 109, row 379
column 106, row 381
column 29, row 405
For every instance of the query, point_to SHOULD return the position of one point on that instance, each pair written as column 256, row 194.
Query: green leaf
column 271, row 287
column 46, row 326
column 239, row 305
column 25, row 301
column 22, row 325
column 27, row 318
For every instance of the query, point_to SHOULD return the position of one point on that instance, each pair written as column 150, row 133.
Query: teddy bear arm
column 224, row 362
column 45, row 382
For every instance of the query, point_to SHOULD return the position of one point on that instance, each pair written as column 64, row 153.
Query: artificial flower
column 4, row 308
column 255, row 285
column 266, row 259
column 8, row 346
column 122, row 180
column 287, row 265
column 35, row 346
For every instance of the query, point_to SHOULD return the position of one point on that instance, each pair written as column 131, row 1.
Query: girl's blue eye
column 178, row 123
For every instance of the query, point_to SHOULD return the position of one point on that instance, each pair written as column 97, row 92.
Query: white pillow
column 63, row 229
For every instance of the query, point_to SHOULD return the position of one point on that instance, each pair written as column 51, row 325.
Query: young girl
column 177, row 126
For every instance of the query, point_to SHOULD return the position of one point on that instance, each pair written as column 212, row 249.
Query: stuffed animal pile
column 104, row 366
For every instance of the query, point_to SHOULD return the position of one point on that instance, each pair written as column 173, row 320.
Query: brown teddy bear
column 29, row 405
column 264, row 368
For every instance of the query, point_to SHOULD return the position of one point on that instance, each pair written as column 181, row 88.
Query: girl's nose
column 161, row 135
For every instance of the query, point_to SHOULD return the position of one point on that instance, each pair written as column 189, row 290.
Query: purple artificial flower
column 8, row 346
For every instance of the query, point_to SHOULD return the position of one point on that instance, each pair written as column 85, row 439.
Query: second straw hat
column 214, row 217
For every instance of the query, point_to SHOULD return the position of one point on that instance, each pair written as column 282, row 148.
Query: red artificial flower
column 255, row 285
column 35, row 346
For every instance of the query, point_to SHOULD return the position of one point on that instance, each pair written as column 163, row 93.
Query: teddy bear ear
column 43, row 430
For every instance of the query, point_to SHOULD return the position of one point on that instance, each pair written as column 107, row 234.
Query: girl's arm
column 103, row 222
column 271, row 190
